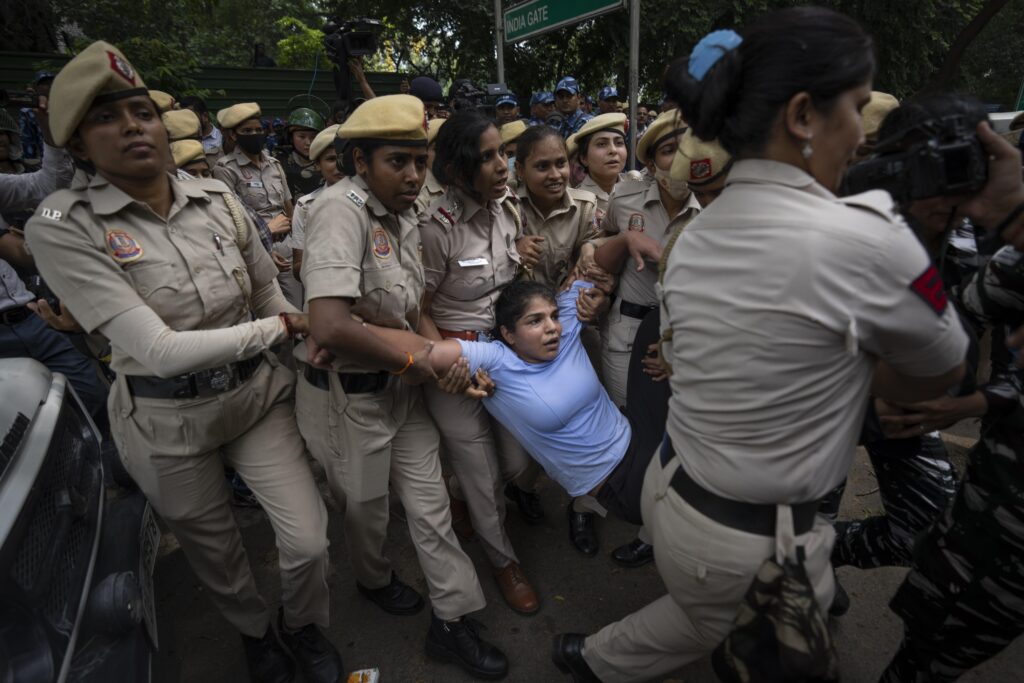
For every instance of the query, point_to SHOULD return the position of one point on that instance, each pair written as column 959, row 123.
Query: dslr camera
column 946, row 159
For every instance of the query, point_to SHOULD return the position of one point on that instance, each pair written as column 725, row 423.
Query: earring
column 807, row 150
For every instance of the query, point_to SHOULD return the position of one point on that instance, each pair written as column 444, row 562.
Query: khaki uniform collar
column 107, row 199
column 765, row 171
column 432, row 184
column 372, row 203
column 241, row 159
column 564, row 206
column 468, row 206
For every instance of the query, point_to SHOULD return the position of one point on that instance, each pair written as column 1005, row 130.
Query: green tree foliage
column 455, row 38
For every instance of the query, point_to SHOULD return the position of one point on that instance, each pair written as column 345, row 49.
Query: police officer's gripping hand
column 318, row 356
column 1004, row 190
column 591, row 305
column 530, row 248
column 482, row 387
column 421, row 370
column 65, row 322
column 456, row 380
column 642, row 248
column 279, row 226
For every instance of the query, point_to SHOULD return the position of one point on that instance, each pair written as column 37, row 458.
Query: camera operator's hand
column 43, row 119
column 1004, row 190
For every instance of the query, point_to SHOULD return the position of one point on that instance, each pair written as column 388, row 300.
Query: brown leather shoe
column 516, row 589
column 461, row 523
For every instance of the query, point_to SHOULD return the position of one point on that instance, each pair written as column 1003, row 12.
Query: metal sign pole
column 634, row 76
column 499, row 41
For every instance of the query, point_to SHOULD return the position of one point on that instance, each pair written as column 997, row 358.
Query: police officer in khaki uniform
column 362, row 420
column 510, row 134
column 469, row 256
column 173, row 275
column 181, row 124
column 600, row 148
column 190, row 157
column 259, row 179
column 788, row 307
column 654, row 206
column 432, row 189
column 565, row 217
column 324, row 157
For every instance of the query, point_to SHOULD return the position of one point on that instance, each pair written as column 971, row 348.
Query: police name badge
column 258, row 184
column 122, row 247
column 381, row 243
column 358, row 201
column 636, row 222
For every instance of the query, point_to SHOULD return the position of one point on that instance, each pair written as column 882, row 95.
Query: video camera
column 948, row 159
column 464, row 94
column 351, row 38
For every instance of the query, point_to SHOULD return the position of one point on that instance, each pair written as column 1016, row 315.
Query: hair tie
column 710, row 49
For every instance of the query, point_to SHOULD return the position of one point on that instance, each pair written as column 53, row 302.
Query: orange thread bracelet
column 408, row 364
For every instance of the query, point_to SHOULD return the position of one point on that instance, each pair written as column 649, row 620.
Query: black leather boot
column 317, row 657
column 459, row 642
column 267, row 660
column 636, row 553
column 527, row 501
column 567, row 654
column 581, row 531
column 395, row 598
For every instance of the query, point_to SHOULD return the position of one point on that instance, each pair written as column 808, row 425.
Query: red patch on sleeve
column 930, row 288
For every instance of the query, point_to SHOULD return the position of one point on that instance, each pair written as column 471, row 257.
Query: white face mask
column 676, row 188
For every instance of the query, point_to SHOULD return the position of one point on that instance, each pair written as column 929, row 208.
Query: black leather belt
column 634, row 310
column 754, row 518
column 15, row 315
column 351, row 382
column 201, row 383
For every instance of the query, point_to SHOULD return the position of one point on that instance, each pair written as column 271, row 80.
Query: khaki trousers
column 174, row 448
column 484, row 455
column 617, row 337
column 707, row 568
column 365, row 441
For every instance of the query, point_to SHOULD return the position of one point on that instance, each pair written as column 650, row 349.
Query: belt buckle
column 223, row 378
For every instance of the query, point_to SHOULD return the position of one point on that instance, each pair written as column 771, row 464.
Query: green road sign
column 540, row 16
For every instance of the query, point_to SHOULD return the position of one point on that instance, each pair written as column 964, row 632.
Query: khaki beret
column 163, row 100
column 322, row 141
column 187, row 151
column 699, row 162
column 394, row 119
column 181, row 124
column 875, row 111
column 511, row 131
column 433, row 125
column 98, row 73
column 236, row 114
column 613, row 121
column 666, row 125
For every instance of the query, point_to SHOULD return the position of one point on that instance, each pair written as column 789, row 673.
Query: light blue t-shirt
column 557, row 410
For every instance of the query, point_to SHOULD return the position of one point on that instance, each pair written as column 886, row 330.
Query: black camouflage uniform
column 963, row 600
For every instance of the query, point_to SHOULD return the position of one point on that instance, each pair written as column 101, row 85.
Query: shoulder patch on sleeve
column 56, row 206
column 929, row 286
column 356, row 198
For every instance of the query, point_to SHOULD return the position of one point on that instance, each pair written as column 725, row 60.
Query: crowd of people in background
column 443, row 298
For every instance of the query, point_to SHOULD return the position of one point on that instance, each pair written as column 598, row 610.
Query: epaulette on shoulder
column 878, row 202
column 582, row 195
column 55, row 206
column 356, row 198
column 630, row 186
column 211, row 185
column 444, row 217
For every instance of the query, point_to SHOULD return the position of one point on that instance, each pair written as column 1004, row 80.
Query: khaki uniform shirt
column 781, row 297
column 103, row 253
column 590, row 185
column 357, row 249
column 469, row 255
column 297, row 237
column 564, row 232
column 431, row 191
column 264, row 188
column 636, row 205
